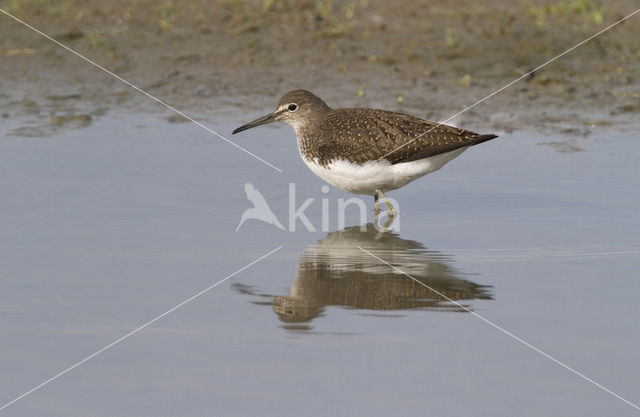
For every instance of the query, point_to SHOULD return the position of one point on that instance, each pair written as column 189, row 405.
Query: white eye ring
column 292, row 107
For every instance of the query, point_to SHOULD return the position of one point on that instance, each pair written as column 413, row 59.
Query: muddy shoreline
column 216, row 60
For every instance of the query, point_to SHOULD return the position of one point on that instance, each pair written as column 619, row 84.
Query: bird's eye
column 292, row 107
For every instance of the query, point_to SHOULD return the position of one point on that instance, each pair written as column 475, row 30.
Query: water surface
column 107, row 226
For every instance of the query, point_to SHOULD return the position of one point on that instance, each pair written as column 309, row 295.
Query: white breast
column 381, row 175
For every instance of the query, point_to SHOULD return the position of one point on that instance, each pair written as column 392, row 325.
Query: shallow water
column 108, row 226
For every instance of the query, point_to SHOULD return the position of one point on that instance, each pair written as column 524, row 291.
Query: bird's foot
column 388, row 221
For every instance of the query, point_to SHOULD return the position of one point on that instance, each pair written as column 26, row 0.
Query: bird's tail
column 482, row 138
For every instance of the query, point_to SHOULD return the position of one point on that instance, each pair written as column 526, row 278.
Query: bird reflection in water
column 335, row 272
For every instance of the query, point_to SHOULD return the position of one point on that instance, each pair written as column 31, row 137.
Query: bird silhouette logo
column 260, row 209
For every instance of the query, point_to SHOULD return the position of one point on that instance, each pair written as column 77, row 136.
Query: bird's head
column 296, row 108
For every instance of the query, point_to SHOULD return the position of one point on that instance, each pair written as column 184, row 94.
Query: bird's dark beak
column 271, row 117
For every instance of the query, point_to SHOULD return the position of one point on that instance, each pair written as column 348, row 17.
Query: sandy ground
column 215, row 60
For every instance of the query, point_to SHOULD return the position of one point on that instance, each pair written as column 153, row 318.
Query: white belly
column 381, row 175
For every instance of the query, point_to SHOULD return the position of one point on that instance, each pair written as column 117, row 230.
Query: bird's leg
column 376, row 206
column 387, row 223
column 392, row 212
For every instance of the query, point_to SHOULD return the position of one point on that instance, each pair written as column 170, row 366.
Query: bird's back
column 361, row 135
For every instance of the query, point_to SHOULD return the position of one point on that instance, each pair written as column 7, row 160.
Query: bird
column 367, row 151
column 260, row 209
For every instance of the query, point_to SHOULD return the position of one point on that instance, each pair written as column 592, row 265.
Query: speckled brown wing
column 362, row 135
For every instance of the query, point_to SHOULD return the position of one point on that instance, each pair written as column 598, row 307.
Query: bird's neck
column 319, row 115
